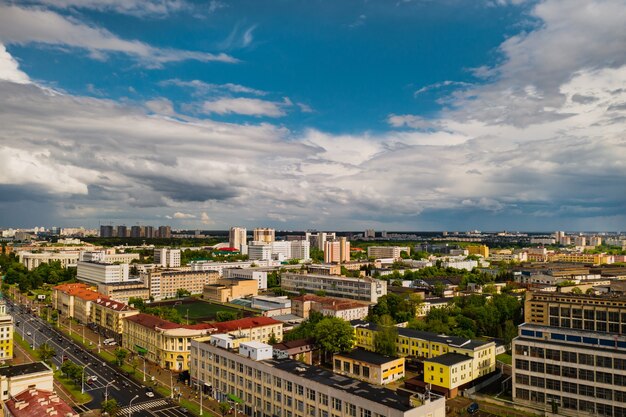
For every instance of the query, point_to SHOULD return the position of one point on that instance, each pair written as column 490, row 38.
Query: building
column 108, row 316
column 284, row 387
column 303, row 350
column 263, row 234
column 482, row 250
column 165, row 232
column 329, row 306
column 122, row 231
column 124, row 291
column 74, row 300
column 225, row 290
column 369, row 366
column 364, row 289
column 369, row 233
column 32, row 260
column 160, row 341
column 108, row 256
column 237, row 237
column 317, row 239
column 384, row 252
column 136, row 232
column 586, row 258
column 427, row 345
column 17, row 378
column 578, row 373
column 149, row 232
column 448, row 372
column 259, row 251
column 166, row 283
column 106, row 231
column 102, row 273
column 167, row 258
column 258, row 329
column 271, row 306
column 337, row 251
column 6, row 333
column 221, row 266
column 33, row 402
column 324, row 269
column 260, row 276
column 300, row 249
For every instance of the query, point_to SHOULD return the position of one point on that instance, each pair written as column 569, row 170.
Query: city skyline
column 495, row 115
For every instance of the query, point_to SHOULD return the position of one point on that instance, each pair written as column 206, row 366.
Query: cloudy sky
column 394, row 115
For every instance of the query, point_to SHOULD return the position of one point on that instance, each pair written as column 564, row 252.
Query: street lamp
column 144, row 368
column 106, row 391
column 130, row 411
column 171, row 386
column 83, row 379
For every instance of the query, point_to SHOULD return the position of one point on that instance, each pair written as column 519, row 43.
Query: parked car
column 473, row 408
column 150, row 394
column 29, row 334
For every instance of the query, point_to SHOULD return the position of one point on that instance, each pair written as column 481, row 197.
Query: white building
column 259, row 251
column 300, row 249
column 364, row 289
column 33, row 260
column 221, row 266
column 281, row 250
column 247, row 273
column 17, row 378
column 167, row 258
column 458, row 264
column 237, row 237
column 108, row 256
column 101, row 273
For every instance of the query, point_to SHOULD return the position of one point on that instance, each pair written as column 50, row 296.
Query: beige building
column 74, row 300
column 6, row 333
column 160, row 341
column 329, row 306
column 337, row 251
column 237, row 237
column 109, row 315
column 258, row 329
column 33, row 260
column 225, row 290
column 324, row 269
column 164, row 284
column 265, row 235
column 362, row 289
column 369, row 366
column 285, row 387
column 387, row 252
column 124, row 291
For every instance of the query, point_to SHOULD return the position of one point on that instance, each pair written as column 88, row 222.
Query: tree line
column 47, row 273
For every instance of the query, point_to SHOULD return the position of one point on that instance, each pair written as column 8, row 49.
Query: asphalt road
column 109, row 380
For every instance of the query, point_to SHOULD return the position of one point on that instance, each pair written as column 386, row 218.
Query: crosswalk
column 148, row 405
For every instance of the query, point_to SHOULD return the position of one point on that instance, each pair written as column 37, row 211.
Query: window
column 522, row 394
column 604, row 377
column 519, row 364
column 604, row 362
column 553, row 384
column 366, row 372
column 299, row 405
column 356, row 369
column 619, row 363
column 585, row 359
column 365, row 413
column 289, row 386
column 569, row 387
column 323, row 399
column 310, row 394
column 299, row 389
column 569, row 356
column 619, row 379
column 603, row 393
column 522, row 379
column 568, row 372
column 351, row 409
column 346, row 366
column 586, row 390
column 537, row 367
column 553, row 369
column 337, row 364
column 537, row 382
column 555, row 355
column 310, row 410
column 336, row 404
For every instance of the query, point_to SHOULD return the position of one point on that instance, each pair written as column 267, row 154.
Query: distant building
column 102, row 273
column 32, row 260
column 167, row 258
column 259, row 251
column 337, row 251
column 106, row 231
column 165, row 232
column 122, row 231
column 257, row 329
column 136, row 232
column 364, row 289
column 343, row 308
column 317, row 239
column 166, row 283
column 237, row 237
column 6, row 333
column 248, row 273
column 226, row 290
column 124, row 291
column 108, row 316
column 369, row 366
column 482, row 250
column 394, row 252
column 263, row 234
column 300, row 249
column 369, row 233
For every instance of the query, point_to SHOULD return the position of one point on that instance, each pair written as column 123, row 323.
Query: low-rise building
column 363, row 289
column 225, row 290
column 324, row 269
column 271, row 306
column 329, row 306
column 286, row 387
column 303, row 350
column 160, row 341
column 101, row 273
column 74, row 300
column 17, row 378
column 447, row 372
column 260, row 276
column 108, row 315
column 378, row 252
column 259, row 329
column 124, row 291
column 369, row 366
column 6, row 333
column 34, row 402
column 165, row 284
column 32, row 260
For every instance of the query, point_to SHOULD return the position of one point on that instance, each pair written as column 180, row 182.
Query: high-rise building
column 317, row 239
column 122, row 231
column 259, row 251
column 337, row 251
column 149, row 231
column 165, row 232
column 482, row 250
column 136, row 231
column 300, row 249
column 167, row 258
column 237, row 237
column 369, row 233
column 263, row 234
column 106, row 231
column 580, row 241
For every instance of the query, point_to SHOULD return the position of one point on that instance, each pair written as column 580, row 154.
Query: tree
column 182, row 293
column 576, row 290
column 439, row 288
column 45, row 352
column 226, row 315
column 386, row 336
column 120, row 355
column 272, row 340
column 334, row 335
column 224, row 408
column 110, row 406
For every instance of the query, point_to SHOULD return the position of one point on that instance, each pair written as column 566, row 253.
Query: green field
column 201, row 310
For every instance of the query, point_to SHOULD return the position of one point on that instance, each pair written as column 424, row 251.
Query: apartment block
column 263, row 234
column 6, row 333
column 101, row 273
column 165, row 283
column 124, row 291
column 337, row 251
column 167, row 258
column 364, row 289
column 285, row 387
column 317, row 239
column 237, row 237
column 74, row 300
column 448, row 372
column 386, row 252
column 343, row 308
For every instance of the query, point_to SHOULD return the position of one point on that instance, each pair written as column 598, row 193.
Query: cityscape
column 356, row 208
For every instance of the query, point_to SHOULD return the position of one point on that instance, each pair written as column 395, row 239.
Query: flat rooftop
column 24, row 369
column 363, row 355
column 449, row 359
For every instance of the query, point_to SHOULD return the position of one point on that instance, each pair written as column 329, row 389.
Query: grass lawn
column 505, row 358
column 74, row 391
column 23, row 343
column 201, row 309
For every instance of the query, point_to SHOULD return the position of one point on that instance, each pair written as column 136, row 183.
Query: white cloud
column 179, row 215
column 9, row 69
column 205, row 219
column 442, row 84
column 37, row 26
column 200, row 87
column 244, row 106
column 161, row 106
column 141, row 8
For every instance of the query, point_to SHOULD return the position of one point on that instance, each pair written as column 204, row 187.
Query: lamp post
column 130, row 411
column 144, row 369
column 83, row 334
column 83, row 379
column 171, row 386
column 106, row 391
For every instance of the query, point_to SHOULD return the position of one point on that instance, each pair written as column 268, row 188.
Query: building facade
column 337, row 251
column 260, row 276
column 237, row 237
column 225, row 290
column 102, row 273
column 386, row 252
column 263, row 234
column 167, row 258
column 108, row 316
column 258, row 329
column 343, row 308
column 166, row 283
column 369, row 366
column 33, row 260
column 363, row 289
column 6, row 333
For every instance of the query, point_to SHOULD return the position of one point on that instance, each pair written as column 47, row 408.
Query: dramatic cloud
column 244, row 106
column 37, row 26
column 141, row 8
column 179, row 215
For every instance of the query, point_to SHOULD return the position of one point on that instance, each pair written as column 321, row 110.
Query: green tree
column 386, row 336
column 120, row 355
column 224, row 408
column 110, row 406
column 334, row 335
column 305, row 329
column 45, row 352
column 137, row 302
column 226, row 315
column 182, row 293
column 272, row 340
column 439, row 288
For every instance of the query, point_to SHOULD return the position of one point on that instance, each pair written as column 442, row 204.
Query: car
column 473, row 408
column 94, row 378
column 149, row 394
column 90, row 382
column 85, row 357
column 29, row 334
column 65, row 358
column 183, row 410
column 17, row 324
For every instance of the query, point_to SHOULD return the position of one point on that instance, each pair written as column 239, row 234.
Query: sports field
column 201, row 310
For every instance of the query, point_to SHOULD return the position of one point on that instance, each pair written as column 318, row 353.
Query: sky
column 311, row 114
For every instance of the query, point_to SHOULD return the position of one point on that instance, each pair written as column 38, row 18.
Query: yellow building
column 160, row 341
column 74, row 300
column 448, row 372
column 586, row 258
column 482, row 250
column 369, row 366
column 108, row 316
column 427, row 345
column 6, row 333
column 226, row 290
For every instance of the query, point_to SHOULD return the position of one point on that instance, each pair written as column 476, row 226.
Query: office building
column 15, row 379
column 259, row 251
column 108, row 256
column 124, row 291
column 364, row 289
column 300, row 249
column 260, row 276
column 6, row 333
column 482, row 250
column 369, row 366
column 448, row 372
column 101, row 273
column 337, row 251
column 289, row 388
column 262, row 234
column 387, row 252
column 167, row 258
column 237, row 237
column 166, row 283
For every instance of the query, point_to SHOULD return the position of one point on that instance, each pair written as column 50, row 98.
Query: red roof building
column 38, row 403
column 258, row 329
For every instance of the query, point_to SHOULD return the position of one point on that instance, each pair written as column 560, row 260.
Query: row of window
column 573, row 388
column 569, row 356
column 567, row 402
column 587, row 314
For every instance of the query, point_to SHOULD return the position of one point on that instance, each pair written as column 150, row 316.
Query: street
column 109, row 380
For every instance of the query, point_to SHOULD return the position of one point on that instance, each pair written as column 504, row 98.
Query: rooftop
column 247, row 323
column 38, row 403
column 113, row 305
column 153, row 322
column 24, row 369
column 294, row 344
column 449, row 359
column 363, row 355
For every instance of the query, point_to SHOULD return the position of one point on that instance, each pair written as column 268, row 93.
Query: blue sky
column 399, row 115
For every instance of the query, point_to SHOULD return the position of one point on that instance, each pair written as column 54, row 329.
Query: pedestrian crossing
column 148, row 405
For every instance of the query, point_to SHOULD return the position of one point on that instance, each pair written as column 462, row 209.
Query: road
column 37, row 331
